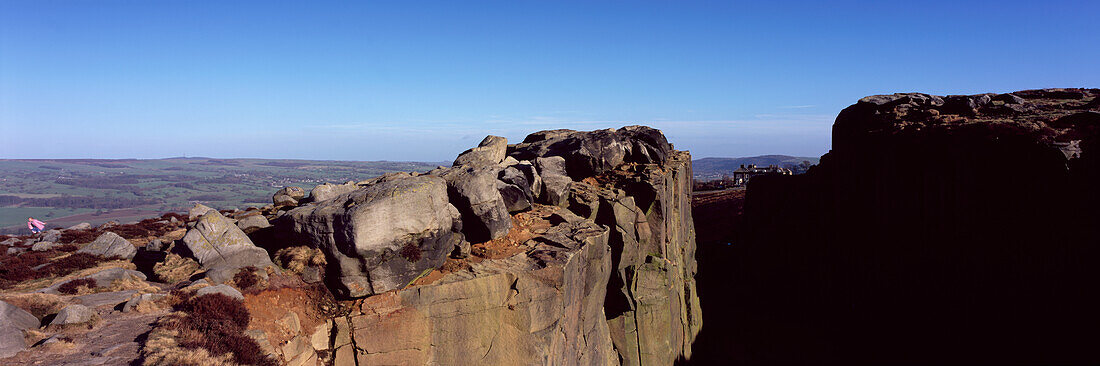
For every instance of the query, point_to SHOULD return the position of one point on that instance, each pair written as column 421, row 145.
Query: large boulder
column 491, row 150
column 222, row 248
column 13, row 321
column 74, row 314
column 555, row 181
column 519, row 186
column 14, row 316
column 382, row 236
column 327, row 191
column 288, row 196
column 80, row 226
column 110, row 245
column 473, row 191
column 251, row 223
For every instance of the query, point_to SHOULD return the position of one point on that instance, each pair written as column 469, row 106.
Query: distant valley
column 64, row 192
column 69, row 191
column 715, row 168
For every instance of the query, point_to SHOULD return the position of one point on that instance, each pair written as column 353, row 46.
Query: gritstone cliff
column 568, row 248
column 957, row 229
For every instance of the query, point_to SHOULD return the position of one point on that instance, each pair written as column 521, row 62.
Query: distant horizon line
column 365, row 161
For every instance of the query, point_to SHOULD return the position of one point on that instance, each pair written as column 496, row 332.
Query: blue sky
column 417, row 80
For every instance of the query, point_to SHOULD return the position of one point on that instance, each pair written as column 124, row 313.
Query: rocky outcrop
column 938, row 229
column 382, row 236
column 603, row 276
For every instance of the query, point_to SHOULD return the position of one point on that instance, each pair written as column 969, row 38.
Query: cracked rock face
column 603, row 275
column 382, row 236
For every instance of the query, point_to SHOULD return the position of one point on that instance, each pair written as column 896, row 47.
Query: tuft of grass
column 297, row 258
column 246, row 278
column 72, row 287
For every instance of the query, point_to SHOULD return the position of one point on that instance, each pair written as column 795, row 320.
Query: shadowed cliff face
column 955, row 229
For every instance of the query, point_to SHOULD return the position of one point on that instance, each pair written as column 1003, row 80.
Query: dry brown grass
column 132, row 283
column 161, row 348
column 295, row 259
column 175, row 268
column 210, row 327
column 38, row 304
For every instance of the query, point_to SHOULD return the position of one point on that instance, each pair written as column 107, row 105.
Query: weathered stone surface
column 13, row 321
column 74, row 314
column 288, row 196
column 653, row 305
column 490, row 151
column 198, row 211
column 555, row 181
column 104, row 298
column 110, row 245
column 382, row 236
column 543, row 309
column 222, row 248
column 221, row 289
column 51, row 236
column 519, row 186
column 473, row 191
column 327, row 191
column 10, row 241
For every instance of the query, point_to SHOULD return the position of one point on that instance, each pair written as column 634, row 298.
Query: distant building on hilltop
column 742, row 175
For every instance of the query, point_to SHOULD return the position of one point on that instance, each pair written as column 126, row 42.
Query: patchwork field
column 66, row 192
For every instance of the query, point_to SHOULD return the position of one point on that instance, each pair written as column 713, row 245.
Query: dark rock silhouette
column 938, row 230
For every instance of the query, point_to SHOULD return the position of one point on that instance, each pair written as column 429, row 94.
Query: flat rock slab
column 221, row 289
column 105, row 298
column 102, row 278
